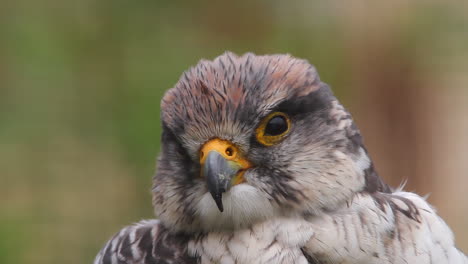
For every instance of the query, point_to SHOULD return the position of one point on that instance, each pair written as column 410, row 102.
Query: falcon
column 260, row 163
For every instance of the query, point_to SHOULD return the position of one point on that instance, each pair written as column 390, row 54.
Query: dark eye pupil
column 276, row 126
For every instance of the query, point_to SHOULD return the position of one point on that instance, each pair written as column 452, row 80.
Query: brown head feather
column 320, row 165
column 229, row 87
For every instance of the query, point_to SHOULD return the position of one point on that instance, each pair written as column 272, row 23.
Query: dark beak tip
column 218, row 198
column 220, row 206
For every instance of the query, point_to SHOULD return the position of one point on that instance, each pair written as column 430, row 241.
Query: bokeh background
column 81, row 82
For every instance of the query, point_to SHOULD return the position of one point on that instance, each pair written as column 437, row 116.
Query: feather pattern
column 147, row 242
column 394, row 228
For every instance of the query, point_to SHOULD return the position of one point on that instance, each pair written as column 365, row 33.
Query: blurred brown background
column 81, row 81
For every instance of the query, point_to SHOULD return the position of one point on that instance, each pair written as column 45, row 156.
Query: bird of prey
column 260, row 163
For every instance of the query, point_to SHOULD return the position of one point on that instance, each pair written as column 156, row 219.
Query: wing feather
column 147, row 242
column 399, row 227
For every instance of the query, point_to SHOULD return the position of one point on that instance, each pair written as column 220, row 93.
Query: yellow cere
column 230, row 152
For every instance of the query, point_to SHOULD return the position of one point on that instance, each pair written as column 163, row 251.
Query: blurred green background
column 81, row 82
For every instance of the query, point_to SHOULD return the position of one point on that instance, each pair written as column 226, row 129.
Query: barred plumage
column 381, row 228
column 146, row 242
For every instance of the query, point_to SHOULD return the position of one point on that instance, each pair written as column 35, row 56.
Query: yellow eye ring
column 273, row 128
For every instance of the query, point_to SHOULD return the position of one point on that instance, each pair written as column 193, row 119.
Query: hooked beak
column 223, row 166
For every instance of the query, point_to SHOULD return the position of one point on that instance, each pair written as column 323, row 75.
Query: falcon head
column 251, row 138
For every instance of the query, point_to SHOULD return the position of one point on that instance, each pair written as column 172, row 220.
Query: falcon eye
column 273, row 128
column 276, row 126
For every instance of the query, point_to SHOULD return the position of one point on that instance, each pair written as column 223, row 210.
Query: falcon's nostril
column 229, row 151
